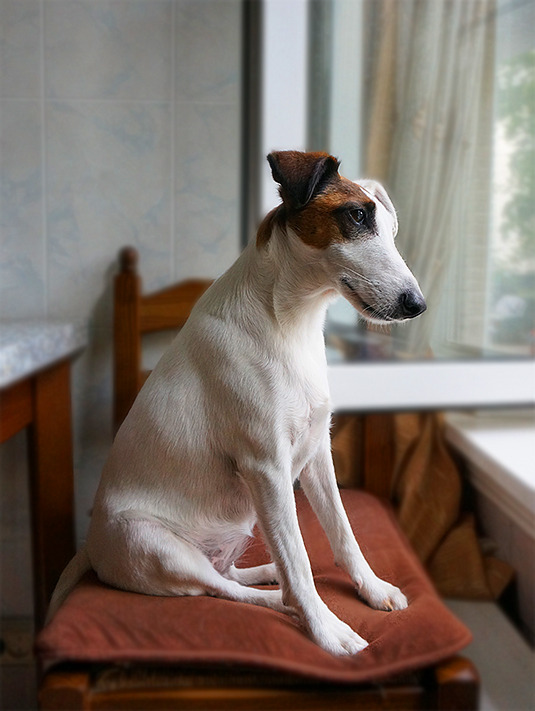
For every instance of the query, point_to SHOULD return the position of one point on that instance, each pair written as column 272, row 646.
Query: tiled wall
column 119, row 124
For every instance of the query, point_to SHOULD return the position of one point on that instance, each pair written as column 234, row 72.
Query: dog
column 238, row 409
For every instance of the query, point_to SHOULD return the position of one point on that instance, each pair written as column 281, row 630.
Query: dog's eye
column 358, row 215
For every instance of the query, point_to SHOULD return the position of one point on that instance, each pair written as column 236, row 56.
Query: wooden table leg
column 51, row 481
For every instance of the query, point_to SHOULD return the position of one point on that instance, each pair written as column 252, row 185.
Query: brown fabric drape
column 425, row 490
column 426, row 487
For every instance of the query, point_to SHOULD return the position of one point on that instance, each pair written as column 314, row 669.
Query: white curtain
column 429, row 133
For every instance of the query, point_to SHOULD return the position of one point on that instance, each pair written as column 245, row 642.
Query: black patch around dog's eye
column 356, row 219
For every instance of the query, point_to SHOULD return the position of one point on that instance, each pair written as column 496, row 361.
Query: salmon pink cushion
column 100, row 624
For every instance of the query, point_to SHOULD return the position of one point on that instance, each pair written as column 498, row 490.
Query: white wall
column 119, row 124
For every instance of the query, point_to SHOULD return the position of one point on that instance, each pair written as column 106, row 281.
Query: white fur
column 237, row 410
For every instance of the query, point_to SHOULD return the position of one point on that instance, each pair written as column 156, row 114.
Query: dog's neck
column 291, row 282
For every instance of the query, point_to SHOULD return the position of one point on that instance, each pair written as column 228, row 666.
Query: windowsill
column 391, row 386
column 500, row 448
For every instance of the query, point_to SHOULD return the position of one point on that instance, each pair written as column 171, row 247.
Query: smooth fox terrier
column 238, row 409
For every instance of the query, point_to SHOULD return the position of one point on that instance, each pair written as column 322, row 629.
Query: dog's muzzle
column 410, row 303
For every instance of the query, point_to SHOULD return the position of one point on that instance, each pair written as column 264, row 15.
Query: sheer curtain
column 428, row 138
column 429, row 134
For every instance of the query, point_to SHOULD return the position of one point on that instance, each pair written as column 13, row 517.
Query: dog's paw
column 382, row 595
column 335, row 636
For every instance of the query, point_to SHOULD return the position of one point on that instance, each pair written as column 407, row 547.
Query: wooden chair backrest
column 136, row 314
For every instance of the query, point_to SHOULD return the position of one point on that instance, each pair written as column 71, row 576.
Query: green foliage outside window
column 513, row 276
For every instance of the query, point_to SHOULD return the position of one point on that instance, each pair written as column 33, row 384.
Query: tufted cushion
column 101, row 624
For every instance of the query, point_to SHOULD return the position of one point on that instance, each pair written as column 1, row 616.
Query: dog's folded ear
column 301, row 175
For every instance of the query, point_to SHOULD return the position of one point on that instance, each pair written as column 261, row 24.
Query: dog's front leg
column 272, row 491
column 319, row 484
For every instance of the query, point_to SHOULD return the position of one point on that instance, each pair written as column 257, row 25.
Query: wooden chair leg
column 65, row 692
column 457, row 685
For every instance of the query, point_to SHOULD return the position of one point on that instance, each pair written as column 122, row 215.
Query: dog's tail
column 75, row 569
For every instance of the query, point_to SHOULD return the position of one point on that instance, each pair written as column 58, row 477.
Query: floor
column 18, row 678
column 505, row 661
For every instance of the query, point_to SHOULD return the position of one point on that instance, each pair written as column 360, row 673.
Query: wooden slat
column 378, row 453
column 64, row 690
column 348, row 449
column 452, row 685
column 127, row 344
column 171, row 307
column 259, row 699
column 15, row 409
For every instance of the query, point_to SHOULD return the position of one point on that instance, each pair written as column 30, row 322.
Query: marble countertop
column 29, row 346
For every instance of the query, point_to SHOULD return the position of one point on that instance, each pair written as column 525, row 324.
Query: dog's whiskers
column 380, row 313
column 353, row 272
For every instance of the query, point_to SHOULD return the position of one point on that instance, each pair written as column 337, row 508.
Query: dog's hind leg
column 258, row 575
column 147, row 557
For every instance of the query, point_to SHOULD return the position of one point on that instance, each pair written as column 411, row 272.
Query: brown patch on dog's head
column 325, row 219
column 316, row 199
column 270, row 221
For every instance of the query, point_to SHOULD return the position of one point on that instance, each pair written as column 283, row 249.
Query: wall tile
column 208, row 50
column 22, row 267
column 97, row 49
column 108, row 177
column 207, row 188
column 20, row 49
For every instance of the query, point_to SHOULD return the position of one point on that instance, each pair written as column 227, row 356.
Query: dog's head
column 351, row 229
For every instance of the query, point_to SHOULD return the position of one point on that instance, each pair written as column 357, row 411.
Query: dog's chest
column 307, row 403
column 307, row 425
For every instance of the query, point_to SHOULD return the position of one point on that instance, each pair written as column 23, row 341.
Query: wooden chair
column 135, row 315
column 451, row 684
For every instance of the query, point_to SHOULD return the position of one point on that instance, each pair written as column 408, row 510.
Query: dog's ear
column 301, row 175
column 377, row 191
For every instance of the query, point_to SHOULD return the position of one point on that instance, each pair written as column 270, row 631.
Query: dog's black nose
column 411, row 304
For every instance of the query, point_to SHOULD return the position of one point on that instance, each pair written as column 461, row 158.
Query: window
column 351, row 67
column 446, row 107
